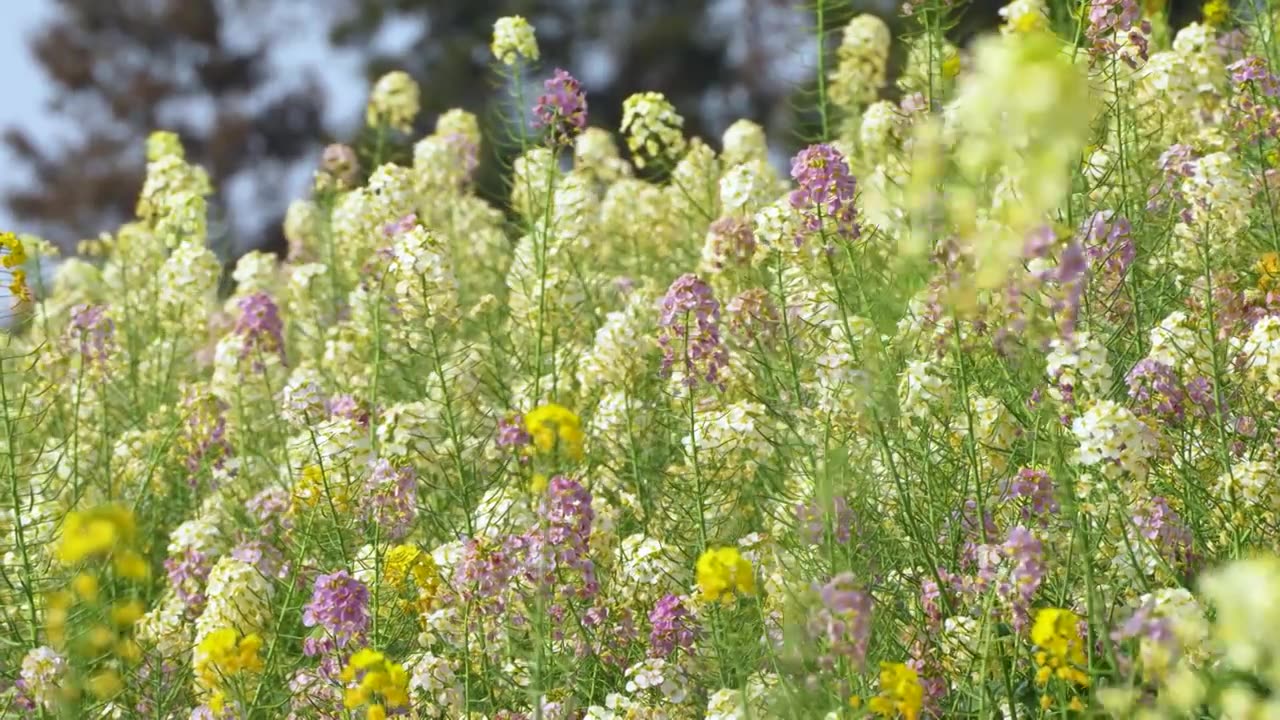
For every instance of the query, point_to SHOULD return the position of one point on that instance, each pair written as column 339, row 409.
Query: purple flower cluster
column 843, row 620
column 825, row 191
column 393, row 495
column 1157, row 390
column 270, row 508
column 512, row 433
column 1037, row 487
column 92, row 333
column 339, row 605
column 689, row 324
column 560, row 542
column 1026, row 554
column 483, row 574
column 1109, row 19
column 203, row 440
column 1176, row 163
column 1255, row 118
column 348, row 407
column 672, row 627
column 562, row 108
column 260, row 325
column 187, row 572
column 1161, row 526
column 263, row 556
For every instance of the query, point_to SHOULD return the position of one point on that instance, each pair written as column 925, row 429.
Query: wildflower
column 392, row 493
column 900, row 692
column 1268, row 268
column 673, row 627
column 340, row 605
column 341, row 163
column 42, row 677
column 690, row 325
column 723, row 573
column 11, row 259
column 1056, row 632
column 824, row 192
column 513, row 39
column 1216, row 12
column 94, row 533
column 555, row 428
column 653, row 128
column 843, row 620
column 562, row 109
column 227, row 653
column 260, row 325
column 394, row 101
column 374, row 683
column 861, row 61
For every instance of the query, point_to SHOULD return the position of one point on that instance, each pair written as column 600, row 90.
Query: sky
column 24, row 83
column 26, row 88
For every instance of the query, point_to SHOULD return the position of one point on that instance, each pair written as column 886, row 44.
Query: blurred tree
column 203, row 68
column 122, row 68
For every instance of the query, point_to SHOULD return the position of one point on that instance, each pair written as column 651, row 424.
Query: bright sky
column 24, row 84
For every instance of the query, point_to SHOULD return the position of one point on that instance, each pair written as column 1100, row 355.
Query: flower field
column 970, row 412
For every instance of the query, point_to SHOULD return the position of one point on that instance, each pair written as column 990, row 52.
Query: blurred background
column 256, row 88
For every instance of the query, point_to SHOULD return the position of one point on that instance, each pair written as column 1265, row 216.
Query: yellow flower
column 555, row 427
column 1216, row 12
column 106, row 684
column 722, row 572
column 404, row 561
column 85, row 586
column 900, row 692
column 1056, row 632
column 382, row 683
column 538, row 484
column 1268, row 270
column 16, row 254
column 94, row 533
column 226, row 653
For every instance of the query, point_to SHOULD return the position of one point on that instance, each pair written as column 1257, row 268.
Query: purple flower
column 270, row 508
column 340, row 605
column 1110, row 18
column 347, row 406
column 1254, row 69
column 187, row 572
column 562, row 108
column 843, row 621
column 269, row 561
column 1026, row 554
column 672, row 627
column 260, row 325
column 512, row 433
column 203, row 439
column 393, row 499
column 92, row 333
column 1155, row 390
column 689, row 324
column 559, row 553
column 825, row 191
column 1037, row 486
column 1163, row 528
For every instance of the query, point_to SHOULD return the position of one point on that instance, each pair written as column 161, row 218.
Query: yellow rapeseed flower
column 1216, row 12
column 1268, row 270
column 900, row 692
column 226, row 653
column 94, row 533
column 555, row 427
column 375, row 683
column 723, row 573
